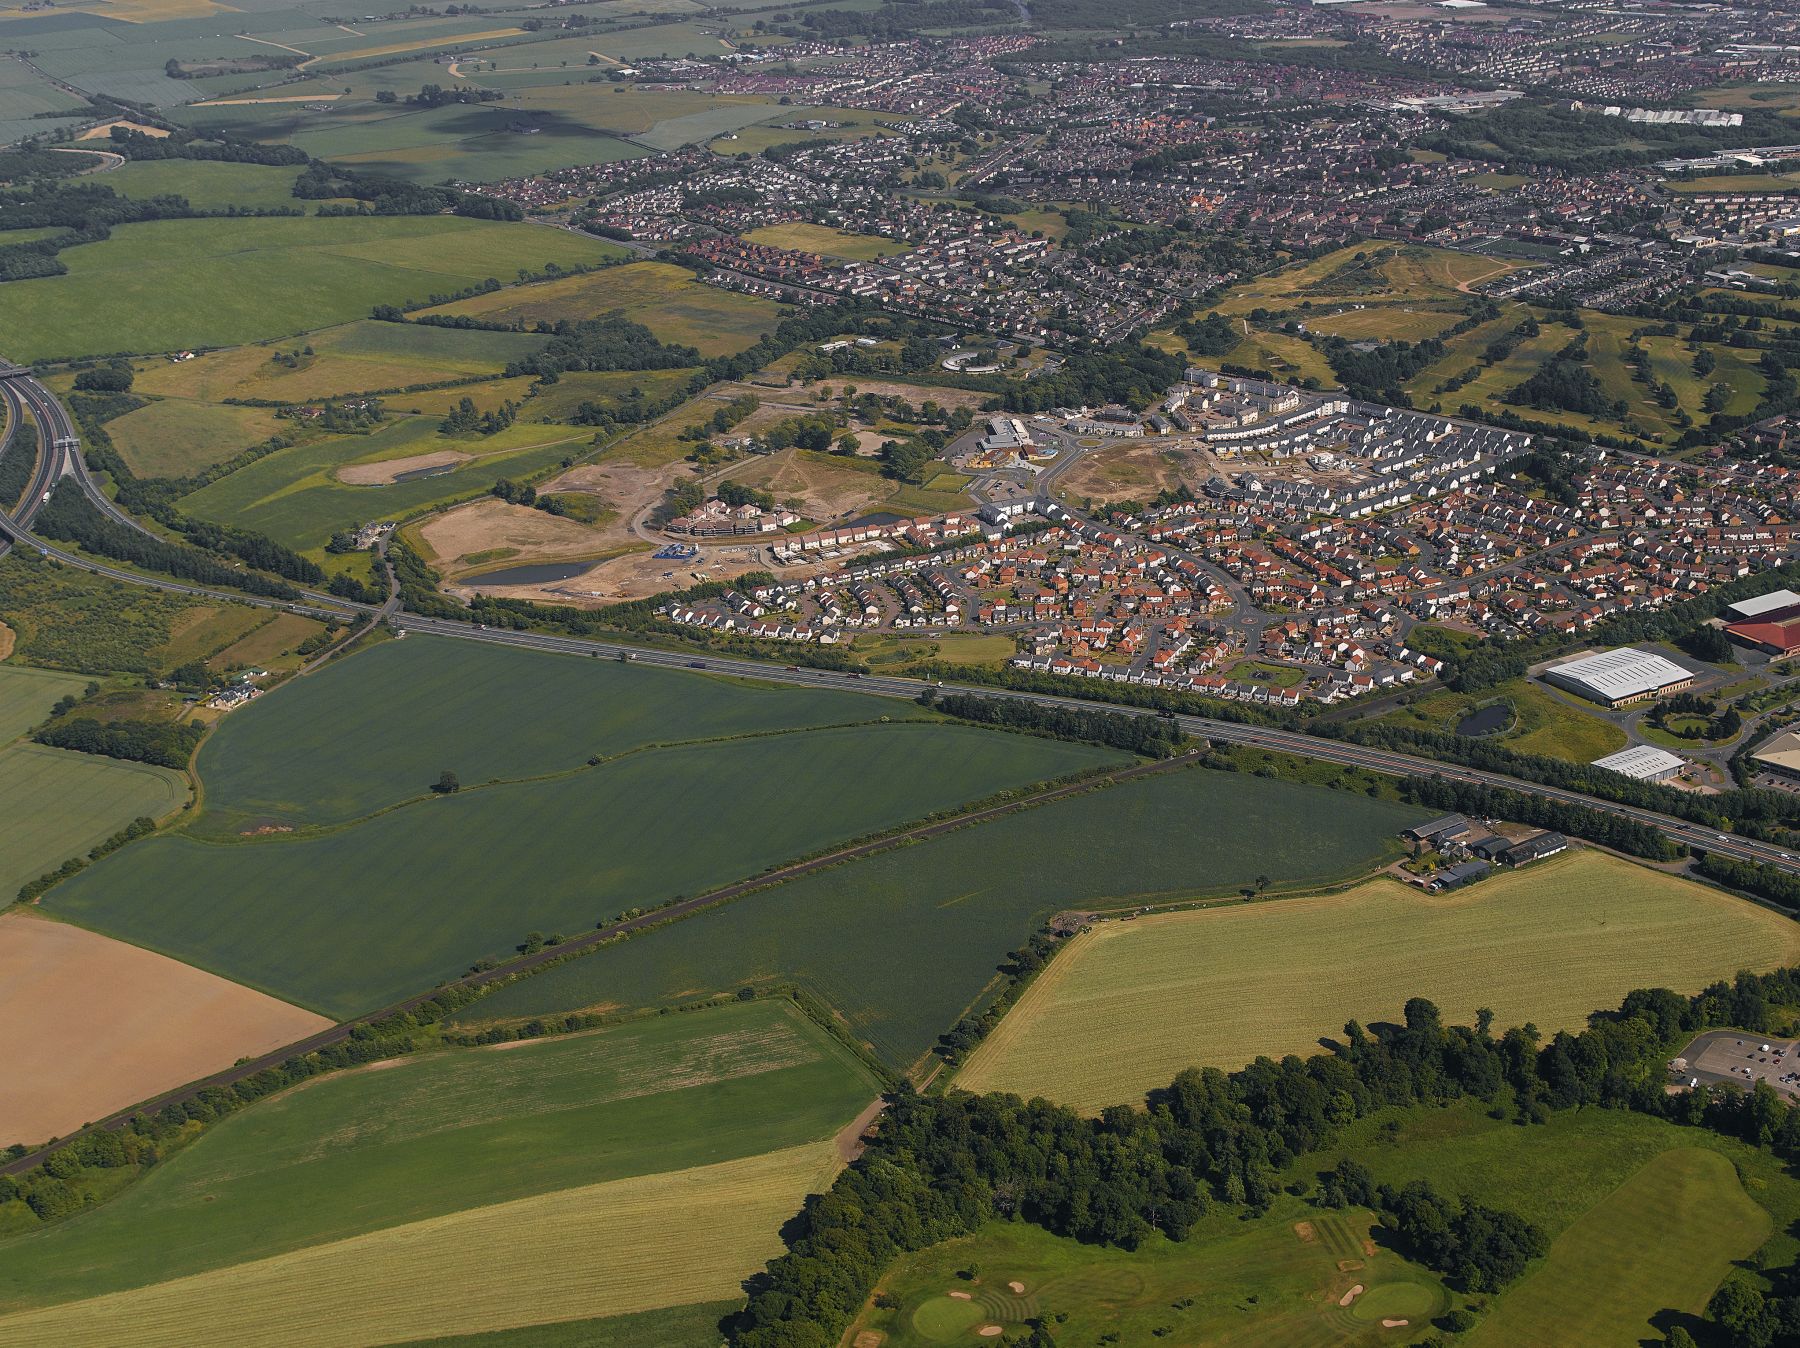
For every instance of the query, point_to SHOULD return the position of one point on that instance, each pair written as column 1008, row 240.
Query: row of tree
column 167, row 744
column 1151, row 736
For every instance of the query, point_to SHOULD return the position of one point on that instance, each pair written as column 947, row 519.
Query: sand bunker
column 990, row 1331
column 1351, row 1295
column 1394, row 1324
column 1017, row 1288
column 961, row 1296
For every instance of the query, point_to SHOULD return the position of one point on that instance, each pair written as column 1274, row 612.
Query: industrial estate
column 892, row 673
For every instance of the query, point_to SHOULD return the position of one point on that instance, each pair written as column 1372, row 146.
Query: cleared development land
column 93, row 1025
column 1127, row 1006
column 356, row 918
column 901, row 943
column 647, row 1165
column 57, row 804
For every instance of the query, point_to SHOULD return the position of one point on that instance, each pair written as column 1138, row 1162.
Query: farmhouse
column 1618, row 678
column 1643, row 762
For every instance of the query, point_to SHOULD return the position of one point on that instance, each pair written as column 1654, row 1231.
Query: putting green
column 947, row 1319
column 1394, row 1301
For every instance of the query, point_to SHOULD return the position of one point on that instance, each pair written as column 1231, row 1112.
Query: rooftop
column 1625, row 672
column 1642, row 761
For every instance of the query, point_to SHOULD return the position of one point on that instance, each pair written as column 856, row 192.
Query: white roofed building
column 1620, row 677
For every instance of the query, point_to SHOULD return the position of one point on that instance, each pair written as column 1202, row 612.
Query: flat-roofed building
column 1780, row 757
column 1774, row 631
column 1763, row 604
column 1620, row 677
column 1644, row 762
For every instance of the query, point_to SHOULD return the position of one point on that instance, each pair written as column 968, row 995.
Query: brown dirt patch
column 104, row 130
column 829, row 490
column 1349, row 1265
column 1369, row 1247
column 1306, row 1232
column 8, row 638
column 93, row 1025
column 850, row 1137
column 384, row 472
column 1136, row 468
column 1351, row 1295
column 522, row 534
column 869, row 1338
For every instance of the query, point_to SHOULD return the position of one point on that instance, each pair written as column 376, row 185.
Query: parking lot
column 1734, row 1057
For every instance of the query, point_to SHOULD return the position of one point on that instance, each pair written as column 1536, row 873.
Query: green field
column 827, row 242
column 297, row 497
column 1703, row 1223
column 356, row 357
column 186, row 283
column 1544, row 721
column 369, row 732
column 666, row 298
column 358, row 917
column 209, row 186
column 173, row 437
column 674, row 1327
column 901, row 943
column 1130, row 1005
column 58, row 804
column 1230, row 1282
column 377, row 1173
column 27, row 695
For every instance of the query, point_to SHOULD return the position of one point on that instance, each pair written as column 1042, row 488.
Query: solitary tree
column 447, row 784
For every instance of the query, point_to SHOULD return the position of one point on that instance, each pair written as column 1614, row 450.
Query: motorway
column 54, row 422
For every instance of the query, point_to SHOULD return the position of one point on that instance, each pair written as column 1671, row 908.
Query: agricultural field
column 354, row 919
column 173, row 437
column 903, row 942
column 1538, row 720
column 663, row 297
column 366, row 733
column 366, row 1206
column 826, row 242
column 302, row 495
column 95, row 1025
column 168, row 284
column 832, row 488
column 209, row 186
column 1547, row 944
column 58, row 804
column 357, row 357
column 27, row 695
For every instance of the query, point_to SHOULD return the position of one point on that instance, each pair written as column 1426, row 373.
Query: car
column 1720, row 837
column 696, row 664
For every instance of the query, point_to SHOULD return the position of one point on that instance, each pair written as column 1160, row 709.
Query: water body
column 1485, row 721
column 544, row 573
column 436, row 470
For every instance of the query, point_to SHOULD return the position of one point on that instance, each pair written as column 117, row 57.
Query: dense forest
column 167, row 744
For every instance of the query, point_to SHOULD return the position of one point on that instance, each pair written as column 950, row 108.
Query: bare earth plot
column 1129, row 1005
column 89, row 1025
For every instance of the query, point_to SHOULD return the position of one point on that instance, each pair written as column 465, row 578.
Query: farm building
column 1534, row 848
column 1460, row 874
column 1643, row 762
column 1620, row 677
column 1437, row 831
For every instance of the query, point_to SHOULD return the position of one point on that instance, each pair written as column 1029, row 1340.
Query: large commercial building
column 1620, row 677
column 1780, row 757
column 1644, row 762
column 1770, row 623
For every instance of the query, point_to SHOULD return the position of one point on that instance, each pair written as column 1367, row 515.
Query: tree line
column 167, row 744
column 940, row 1166
column 1577, row 821
column 1151, row 736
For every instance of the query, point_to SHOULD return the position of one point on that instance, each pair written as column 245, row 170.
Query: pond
column 414, row 475
column 544, row 573
column 1489, row 720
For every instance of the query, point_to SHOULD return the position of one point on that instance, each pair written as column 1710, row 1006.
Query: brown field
column 268, row 643
column 93, row 1025
column 1133, row 469
column 7, row 638
column 469, row 536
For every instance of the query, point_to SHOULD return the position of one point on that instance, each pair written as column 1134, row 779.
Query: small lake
column 1485, row 720
column 416, row 474
column 544, row 573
